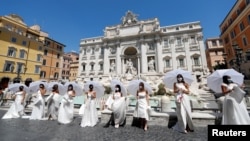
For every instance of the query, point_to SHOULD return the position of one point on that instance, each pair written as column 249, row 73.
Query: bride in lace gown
column 66, row 110
column 183, row 106
column 53, row 101
column 142, row 107
column 234, row 110
column 38, row 111
column 16, row 109
column 90, row 116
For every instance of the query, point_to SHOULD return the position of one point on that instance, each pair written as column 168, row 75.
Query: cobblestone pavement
column 32, row 130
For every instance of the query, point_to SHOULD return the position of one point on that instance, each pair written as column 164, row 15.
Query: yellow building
column 70, row 66
column 74, row 64
column 21, row 48
column 235, row 33
column 215, row 54
column 52, row 60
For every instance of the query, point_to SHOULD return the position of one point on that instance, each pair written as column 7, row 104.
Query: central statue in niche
column 130, row 70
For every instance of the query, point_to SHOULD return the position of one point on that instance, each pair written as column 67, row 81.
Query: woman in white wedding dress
column 16, row 110
column 66, row 110
column 53, row 102
column 142, row 107
column 38, row 111
column 118, row 107
column 90, row 116
column 183, row 106
column 234, row 109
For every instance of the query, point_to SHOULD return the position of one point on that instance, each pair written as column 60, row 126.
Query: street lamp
column 25, row 69
column 18, row 78
column 238, row 55
column 225, row 60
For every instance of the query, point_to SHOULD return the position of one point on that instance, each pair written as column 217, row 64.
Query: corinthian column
column 118, row 59
column 106, row 63
column 144, row 65
column 159, row 55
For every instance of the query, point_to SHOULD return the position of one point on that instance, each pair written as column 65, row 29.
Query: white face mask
column 117, row 89
column 179, row 79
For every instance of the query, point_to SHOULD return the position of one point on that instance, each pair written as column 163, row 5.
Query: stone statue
column 141, row 28
column 156, row 27
column 151, row 46
column 130, row 70
column 117, row 31
column 129, row 66
column 129, row 18
column 203, row 79
column 112, row 67
column 151, row 65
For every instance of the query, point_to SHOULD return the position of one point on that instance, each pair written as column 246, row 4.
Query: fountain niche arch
column 130, row 55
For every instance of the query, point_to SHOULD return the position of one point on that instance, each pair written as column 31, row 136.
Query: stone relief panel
column 112, row 66
column 97, row 49
column 151, row 64
column 112, row 32
column 88, row 49
column 149, row 27
column 112, row 50
column 151, row 46
column 171, row 40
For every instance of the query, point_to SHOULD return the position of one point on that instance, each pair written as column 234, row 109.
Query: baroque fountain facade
column 142, row 49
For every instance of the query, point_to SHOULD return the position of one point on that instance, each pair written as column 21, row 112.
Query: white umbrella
column 115, row 82
column 15, row 87
column 76, row 87
column 62, row 89
column 98, row 88
column 214, row 80
column 34, row 86
column 133, row 87
column 170, row 77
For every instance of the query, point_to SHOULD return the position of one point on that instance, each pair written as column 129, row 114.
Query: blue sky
column 69, row 21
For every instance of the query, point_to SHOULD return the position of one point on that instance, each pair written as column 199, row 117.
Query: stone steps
column 201, row 117
column 167, row 119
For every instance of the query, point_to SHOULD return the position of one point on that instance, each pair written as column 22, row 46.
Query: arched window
column 167, row 62
column 181, row 61
column 196, row 60
column 101, row 66
column 83, row 66
column 92, row 66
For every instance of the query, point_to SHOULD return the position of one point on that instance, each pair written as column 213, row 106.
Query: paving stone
column 34, row 130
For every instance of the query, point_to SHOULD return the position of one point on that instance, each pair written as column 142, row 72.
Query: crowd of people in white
column 59, row 103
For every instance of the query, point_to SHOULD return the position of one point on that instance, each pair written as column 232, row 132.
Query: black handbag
column 136, row 120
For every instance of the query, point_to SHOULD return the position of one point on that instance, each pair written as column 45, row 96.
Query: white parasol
column 15, row 87
column 133, row 87
column 115, row 82
column 171, row 77
column 34, row 86
column 62, row 89
column 214, row 80
column 76, row 87
column 98, row 88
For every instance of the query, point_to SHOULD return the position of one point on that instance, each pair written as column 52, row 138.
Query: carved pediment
column 129, row 18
